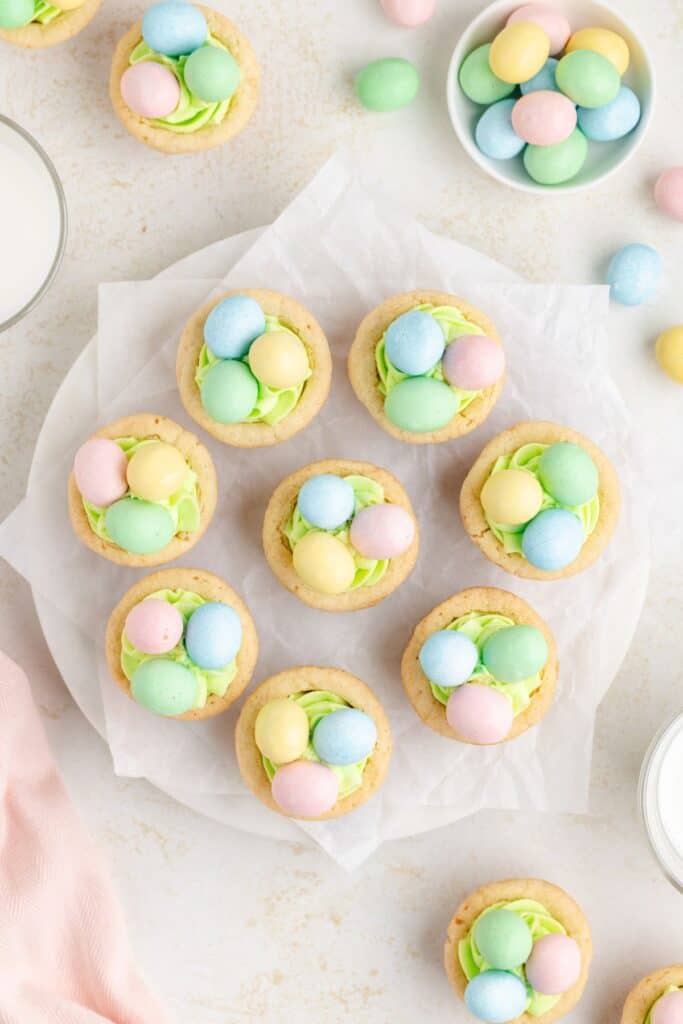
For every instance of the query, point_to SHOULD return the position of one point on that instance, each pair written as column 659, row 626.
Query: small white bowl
column 604, row 158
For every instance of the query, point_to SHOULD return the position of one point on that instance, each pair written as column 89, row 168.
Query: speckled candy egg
column 504, row 939
column 387, row 84
column 281, row 730
column 154, row 626
column 553, row 539
column 164, row 687
column 324, row 563
column 544, row 117
column 409, row 13
column 604, row 41
column 305, row 789
column 479, row 714
column 229, row 391
column 213, row 635
column 174, row 28
column 568, row 473
column 515, row 653
column 448, row 658
column 232, row 325
column 345, row 736
column 634, row 274
column 553, row 165
column 139, row 527
column 668, row 1009
column 16, row 13
column 511, row 497
column 669, row 192
column 669, row 353
column 554, row 965
column 150, row 89
column 547, row 17
column 326, row 501
column 477, row 80
column 612, row 121
column 519, row 51
column 279, row 360
column 494, row 133
column 382, row 531
column 414, row 342
column 420, row 405
column 496, row 996
column 588, row 78
column 100, row 471
column 156, row 471
column 474, row 362
column 212, row 74
column 545, row 79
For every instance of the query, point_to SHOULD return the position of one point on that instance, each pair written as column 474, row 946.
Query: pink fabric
column 64, row 956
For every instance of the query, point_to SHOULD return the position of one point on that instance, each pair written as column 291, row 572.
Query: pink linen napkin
column 64, row 955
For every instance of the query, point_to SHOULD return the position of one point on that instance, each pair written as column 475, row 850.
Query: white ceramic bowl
column 604, row 158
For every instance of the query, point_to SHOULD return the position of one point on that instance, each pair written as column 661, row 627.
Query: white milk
column 670, row 791
column 661, row 798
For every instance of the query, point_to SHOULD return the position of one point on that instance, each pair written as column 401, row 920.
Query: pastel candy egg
column 212, row 74
column 387, row 84
column 420, row 404
column 414, row 342
column 448, row 658
column 156, row 471
column 281, row 730
column 669, row 192
column 552, row 21
column 139, row 527
column 669, row 353
column 568, row 473
column 100, row 471
column 345, row 736
column 213, row 635
column 553, row 165
column 154, row 626
column 495, row 996
column 554, row 965
column 614, row 120
column 324, row 563
column 326, row 501
column 477, row 80
column 164, row 687
column 553, row 539
column 519, row 51
column 150, row 89
column 668, row 1009
column 409, row 13
column 232, row 325
column 305, row 789
column 634, row 274
column 544, row 79
column 473, row 362
column 513, row 654
column 604, row 41
column 494, row 133
column 229, row 391
column 588, row 78
column 511, row 497
column 479, row 714
column 174, row 28
column 16, row 13
column 279, row 360
column 504, row 939
column 382, row 531
column 544, row 117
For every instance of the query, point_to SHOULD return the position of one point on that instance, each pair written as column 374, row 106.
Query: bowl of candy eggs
column 550, row 97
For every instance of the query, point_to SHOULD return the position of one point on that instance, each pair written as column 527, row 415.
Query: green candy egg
column 568, row 473
column 229, row 391
column 588, row 78
column 212, row 74
column 140, row 527
column 15, row 13
column 387, row 84
column 420, row 404
column 551, row 165
column 515, row 653
column 477, row 80
column 164, row 687
column 504, row 939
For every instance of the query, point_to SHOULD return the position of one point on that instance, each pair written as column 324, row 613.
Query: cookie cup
column 490, row 600
column 35, row 36
column 302, row 680
column 641, row 998
column 365, row 379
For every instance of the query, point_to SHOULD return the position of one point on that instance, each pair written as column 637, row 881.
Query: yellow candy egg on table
column 604, row 41
column 279, row 360
column 324, row 563
column 669, row 352
column 511, row 497
column 519, row 52
column 156, row 471
column 281, row 731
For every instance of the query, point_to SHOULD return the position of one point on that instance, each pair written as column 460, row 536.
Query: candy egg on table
column 174, row 28
column 553, row 165
column 553, row 539
column 154, row 626
column 473, row 362
column 213, row 635
column 494, row 133
column 511, row 496
column 150, row 89
column 588, row 78
column 515, row 653
column 305, row 789
column 519, row 51
column 668, row 1009
column 100, row 468
column 554, row 965
column 613, row 120
column 549, row 18
column 139, row 527
column 414, row 342
column 164, row 687
column 16, row 13
column 420, row 404
column 324, row 563
column 479, row 714
column 382, row 531
column 448, row 657
column 279, row 360
column 544, row 117
column 669, row 192
column 229, row 391
column 281, row 731
column 669, row 352
column 568, row 473
column 409, row 13
column 156, row 471
column 504, row 939
column 387, row 84
column 344, row 737
column 478, row 81
column 326, row 501
column 543, row 79
column 232, row 325
column 634, row 274
column 212, row 74
column 604, row 41
column 496, row 996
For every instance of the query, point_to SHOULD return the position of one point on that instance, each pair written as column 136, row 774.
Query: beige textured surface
column 640, row 999
column 36, row 36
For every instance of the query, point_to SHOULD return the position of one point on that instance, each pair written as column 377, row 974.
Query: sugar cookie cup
column 465, row 701
column 182, row 644
column 656, row 999
column 173, row 118
column 142, row 491
column 58, row 23
column 554, row 949
column 340, row 535
column 541, row 501
column 253, row 413
column 313, row 743
column 420, row 401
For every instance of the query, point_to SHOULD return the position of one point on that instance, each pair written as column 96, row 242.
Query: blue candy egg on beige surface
column 448, row 658
column 174, row 28
column 634, row 274
column 414, row 342
column 232, row 325
column 140, row 527
column 553, row 539
column 345, row 736
column 326, row 501
column 494, row 134
column 496, row 996
column 213, row 635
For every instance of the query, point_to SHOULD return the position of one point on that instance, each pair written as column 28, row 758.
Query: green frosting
column 540, row 922
column 317, row 704
column 183, row 506
column 272, row 404
column 186, row 601
column 527, row 458
column 368, row 570
column 669, row 988
column 479, row 626
column 45, row 13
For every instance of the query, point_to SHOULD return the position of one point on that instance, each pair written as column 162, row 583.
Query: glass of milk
column 661, row 798
column 33, row 218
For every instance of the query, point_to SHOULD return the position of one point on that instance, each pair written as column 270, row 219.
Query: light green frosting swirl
column 186, row 601
column 540, row 922
column 44, row 13
column 367, row 492
column 479, row 626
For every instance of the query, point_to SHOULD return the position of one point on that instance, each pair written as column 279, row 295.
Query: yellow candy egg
column 604, row 41
column 324, row 563
column 511, row 497
column 519, row 52
column 279, row 360
column 669, row 352
column 156, row 471
column 281, row 731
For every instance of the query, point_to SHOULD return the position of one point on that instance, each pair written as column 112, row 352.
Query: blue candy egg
column 345, row 736
column 326, row 501
column 414, row 342
column 213, row 635
column 174, row 28
column 448, row 658
column 613, row 120
column 494, row 134
column 542, row 80
column 634, row 274
column 232, row 325
column 496, row 996
column 553, row 539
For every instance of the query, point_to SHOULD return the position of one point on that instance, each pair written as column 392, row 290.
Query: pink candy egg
column 154, row 626
column 544, row 117
column 668, row 1009
column 100, row 471
column 409, row 13
column 150, row 89
column 552, row 21
column 382, row 531
column 669, row 192
column 479, row 713
column 473, row 362
column 305, row 789
column 554, row 965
